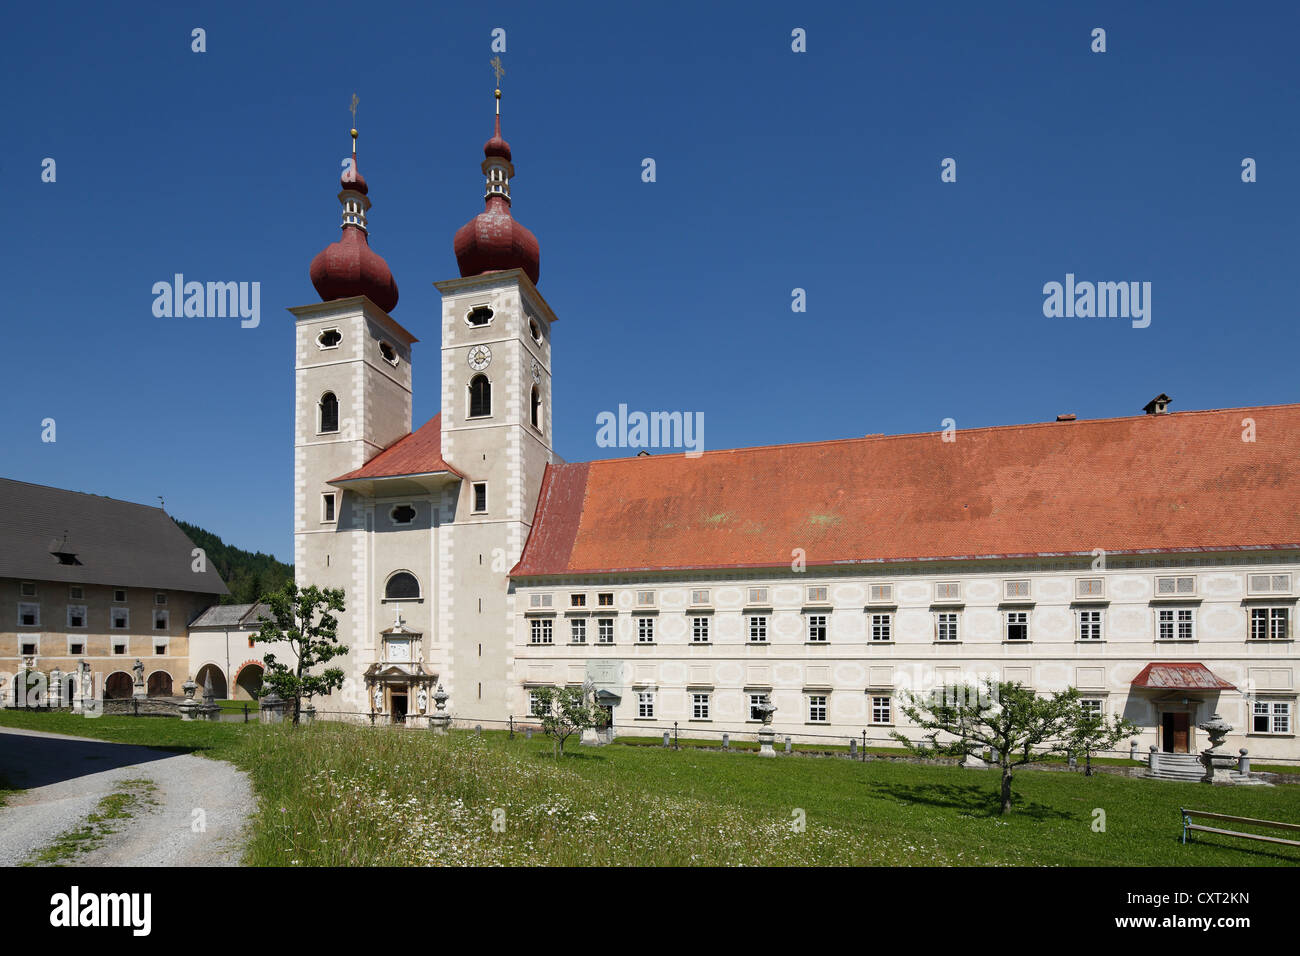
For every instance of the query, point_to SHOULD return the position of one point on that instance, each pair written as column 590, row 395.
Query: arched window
column 402, row 586
column 480, row 396
column 329, row 413
column 537, row 408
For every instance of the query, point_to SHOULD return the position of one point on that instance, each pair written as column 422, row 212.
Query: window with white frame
column 27, row 589
column 1270, row 623
column 29, row 645
column 76, row 647
column 119, row 645
column 29, row 614
column 645, row 704
column 1269, row 583
column 817, row 628
column 1176, row 624
column 160, row 646
column 947, row 591
column 946, row 626
column 700, row 629
column 817, row 595
column 881, row 593
column 604, row 630
column 1271, row 717
column 645, row 599
column 817, row 708
column 605, row 599
column 480, row 497
column 578, row 630
column 119, row 619
column 1089, row 621
column 539, row 600
column 700, row 597
column 327, row 506
column 699, row 706
column 1016, row 590
column 536, row 707
column 645, row 630
column 758, row 596
column 1089, row 587
column 159, row 619
column 75, row 592
column 756, row 705
column 1179, row 585
column 542, row 630
column 119, row 595
column 577, row 600
column 1017, row 625
column 882, row 628
column 758, row 628
column 160, row 598
column 881, row 712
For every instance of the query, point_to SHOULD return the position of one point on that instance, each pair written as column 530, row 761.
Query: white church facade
column 1150, row 562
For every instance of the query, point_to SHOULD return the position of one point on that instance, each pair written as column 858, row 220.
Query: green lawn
column 336, row 795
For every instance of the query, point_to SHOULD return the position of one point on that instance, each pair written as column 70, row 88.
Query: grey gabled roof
column 115, row 542
column 233, row 615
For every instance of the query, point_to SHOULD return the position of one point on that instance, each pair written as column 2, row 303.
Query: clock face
column 479, row 357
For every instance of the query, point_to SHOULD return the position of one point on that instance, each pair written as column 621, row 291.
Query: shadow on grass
column 1244, row 847
column 970, row 798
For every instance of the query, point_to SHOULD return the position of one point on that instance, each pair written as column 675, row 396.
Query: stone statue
column 138, row 667
column 378, row 698
column 423, row 698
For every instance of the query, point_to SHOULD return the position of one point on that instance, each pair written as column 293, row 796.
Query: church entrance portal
column 399, row 707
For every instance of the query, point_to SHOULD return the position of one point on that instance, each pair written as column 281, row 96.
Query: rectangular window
column 542, row 630
column 1090, row 625
column 119, row 645
column 1016, row 590
column 817, row 628
column 1269, row 623
column 756, row 702
column 539, row 600
column 160, row 647
column 535, row 706
column 327, row 507
column 1269, row 584
column 758, row 629
column 605, row 599
column 645, row 703
column 645, row 630
column 76, row 648
column 947, row 591
column 160, row 598
column 1177, row 624
column 700, row 598
column 578, row 630
column 159, row 620
column 817, row 708
column 577, row 600
column 1089, row 588
column 946, row 622
column 881, row 593
column 758, row 595
column 29, row 615
column 882, row 627
column 700, row 630
column 76, row 593
column 645, row 599
column 1271, row 717
column 1176, row 585
column 880, row 711
column 604, row 630
column 480, row 497
column 817, row 595
column 119, row 596
column 27, row 589
column 1091, row 706
column 1017, row 625
column 699, row 706
column 29, row 646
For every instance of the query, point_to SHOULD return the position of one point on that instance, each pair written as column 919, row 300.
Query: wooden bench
column 1189, row 826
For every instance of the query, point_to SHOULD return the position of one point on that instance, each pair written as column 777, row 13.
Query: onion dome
column 349, row 267
column 492, row 241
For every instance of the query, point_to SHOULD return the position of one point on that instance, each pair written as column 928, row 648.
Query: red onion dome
column 349, row 267
column 497, row 146
column 492, row 242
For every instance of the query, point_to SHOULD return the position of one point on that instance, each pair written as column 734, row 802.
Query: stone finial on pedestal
column 766, row 735
column 1218, row 767
column 440, row 720
column 189, row 705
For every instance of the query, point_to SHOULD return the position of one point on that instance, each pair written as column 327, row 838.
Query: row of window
column 331, row 338
column 119, row 618
column 1166, row 586
column 1268, row 716
column 479, row 406
column 1272, row 623
column 77, row 592
column 402, row 515
column 29, row 645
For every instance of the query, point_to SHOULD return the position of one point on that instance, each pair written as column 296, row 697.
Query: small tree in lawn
column 303, row 619
column 1093, row 733
column 1007, row 718
column 565, row 712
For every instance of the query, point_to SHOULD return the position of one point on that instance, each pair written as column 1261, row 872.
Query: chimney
column 1067, row 417
column 1158, row 405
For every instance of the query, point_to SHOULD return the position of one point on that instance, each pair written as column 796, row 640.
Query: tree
column 293, row 621
column 1093, row 733
column 1007, row 718
column 564, row 712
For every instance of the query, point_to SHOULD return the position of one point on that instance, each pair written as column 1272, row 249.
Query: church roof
column 102, row 540
column 1150, row 483
column 419, row 453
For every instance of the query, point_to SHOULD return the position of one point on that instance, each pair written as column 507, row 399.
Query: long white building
column 1148, row 561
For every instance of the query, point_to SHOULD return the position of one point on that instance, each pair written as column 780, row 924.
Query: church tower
column 352, row 398
column 496, row 431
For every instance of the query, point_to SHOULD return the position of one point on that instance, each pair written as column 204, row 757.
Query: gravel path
column 64, row 778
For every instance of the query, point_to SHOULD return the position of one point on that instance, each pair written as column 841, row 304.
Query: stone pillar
column 853, row 746
column 1151, row 759
column 1132, row 750
column 271, row 708
column 726, row 741
column 1243, row 762
column 665, row 738
column 189, row 705
column 788, row 745
column 766, row 736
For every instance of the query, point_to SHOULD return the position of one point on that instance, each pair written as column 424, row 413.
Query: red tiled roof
column 1180, row 676
column 419, row 453
column 1184, row 481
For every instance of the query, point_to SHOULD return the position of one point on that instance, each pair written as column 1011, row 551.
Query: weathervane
column 498, row 69
column 353, row 108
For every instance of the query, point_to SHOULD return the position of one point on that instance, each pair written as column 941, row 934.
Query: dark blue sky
column 775, row 170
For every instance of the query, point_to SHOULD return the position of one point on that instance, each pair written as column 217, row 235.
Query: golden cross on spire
column 353, row 108
column 498, row 69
